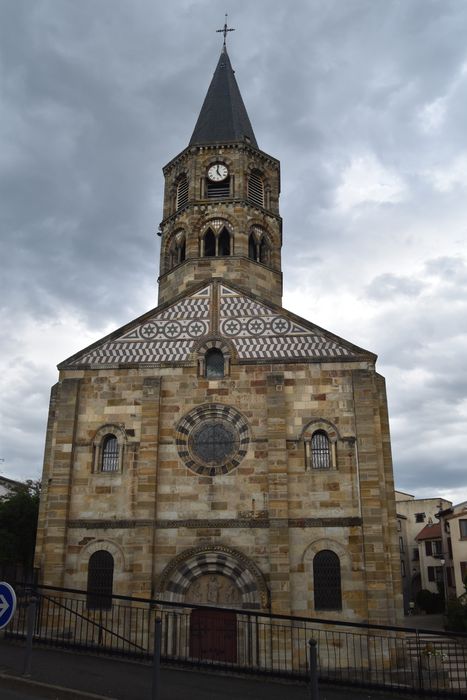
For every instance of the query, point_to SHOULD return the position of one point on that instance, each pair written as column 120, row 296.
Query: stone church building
column 220, row 449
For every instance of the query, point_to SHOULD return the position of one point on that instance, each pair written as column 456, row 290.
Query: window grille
column 209, row 244
column 327, row 581
column 214, row 364
column 218, row 190
column 420, row 517
column 320, row 451
column 224, row 242
column 100, row 580
column 256, row 189
column 182, row 192
column 109, row 454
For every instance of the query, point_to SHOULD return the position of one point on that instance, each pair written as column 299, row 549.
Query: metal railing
column 403, row 659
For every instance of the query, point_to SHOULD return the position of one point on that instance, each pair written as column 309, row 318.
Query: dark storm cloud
column 363, row 103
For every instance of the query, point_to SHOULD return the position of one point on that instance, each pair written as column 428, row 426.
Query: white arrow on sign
column 3, row 605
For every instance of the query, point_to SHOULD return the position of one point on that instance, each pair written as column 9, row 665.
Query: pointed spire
column 223, row 117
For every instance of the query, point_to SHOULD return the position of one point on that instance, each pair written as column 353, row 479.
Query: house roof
column 430, row 532
column 223, row 117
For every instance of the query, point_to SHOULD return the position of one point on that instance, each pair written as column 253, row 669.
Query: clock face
column 217, row 172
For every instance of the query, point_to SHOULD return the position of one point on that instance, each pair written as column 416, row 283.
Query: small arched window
column 182, row 192
column 327, row 581
column 320, row 451
column 109, row 454
column 214, row 363
column 100, row 580
column 256, row 188
column 209, row 244
column 224, row 242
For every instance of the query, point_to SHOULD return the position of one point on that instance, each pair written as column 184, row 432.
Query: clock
column 217, row 172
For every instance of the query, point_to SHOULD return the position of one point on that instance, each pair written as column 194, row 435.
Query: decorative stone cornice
column 209, row 523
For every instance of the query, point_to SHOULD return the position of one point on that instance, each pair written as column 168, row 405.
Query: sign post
column 7, row 603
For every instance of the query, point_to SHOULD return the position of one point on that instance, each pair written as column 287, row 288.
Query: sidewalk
column 125, row 680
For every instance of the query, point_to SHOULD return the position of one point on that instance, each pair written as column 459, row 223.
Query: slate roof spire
column 223, row 117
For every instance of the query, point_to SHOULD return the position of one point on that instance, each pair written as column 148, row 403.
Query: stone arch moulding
column 180, row 573
column 320, row 424
column 114, row 548
column 327, row 543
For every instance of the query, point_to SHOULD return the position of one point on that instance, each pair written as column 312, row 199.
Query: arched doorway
column 216, row 578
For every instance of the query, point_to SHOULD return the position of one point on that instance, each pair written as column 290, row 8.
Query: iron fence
column 403, row 659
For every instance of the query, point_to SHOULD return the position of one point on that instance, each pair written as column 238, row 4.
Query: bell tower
column 221, row 202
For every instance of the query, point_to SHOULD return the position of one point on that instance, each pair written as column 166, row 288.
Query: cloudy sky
column 364, row 103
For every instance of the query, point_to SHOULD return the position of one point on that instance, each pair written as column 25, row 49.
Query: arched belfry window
column 256, row 188
column 327, row 581
column 258, row 246
column 214, row 364
column 177, row 251
column 217, row 240
column 209, row 244
column 109, row 454
column 252, row 247
column 320, row 450
column 224, row 242
column 100, row 580
column 181, row 198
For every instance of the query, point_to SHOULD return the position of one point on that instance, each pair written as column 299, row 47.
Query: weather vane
column 225, row 30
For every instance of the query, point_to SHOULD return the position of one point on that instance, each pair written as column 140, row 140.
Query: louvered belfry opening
column 256, row 189
column 182, row 192
column 218, row 190
column 214, row 361
column 109, row 461
column 327, row 581
column 320, row 451
column 100, row 580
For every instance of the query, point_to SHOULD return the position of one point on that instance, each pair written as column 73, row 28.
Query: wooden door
column 213, row 635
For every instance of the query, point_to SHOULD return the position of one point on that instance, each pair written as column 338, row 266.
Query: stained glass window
column 214, row 442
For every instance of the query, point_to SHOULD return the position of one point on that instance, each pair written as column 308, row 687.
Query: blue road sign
column 7, row 604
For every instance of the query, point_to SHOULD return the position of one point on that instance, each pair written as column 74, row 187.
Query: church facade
column 220, row 449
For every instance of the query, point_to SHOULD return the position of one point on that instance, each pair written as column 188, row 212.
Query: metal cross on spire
column 225, row 30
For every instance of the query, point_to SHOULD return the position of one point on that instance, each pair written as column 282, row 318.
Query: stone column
column 58, row 466
column 377, row 500
column 278, row 495
column 146, row 491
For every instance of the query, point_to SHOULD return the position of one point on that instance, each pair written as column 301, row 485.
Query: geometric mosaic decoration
column 257, row 332
column 167, row 336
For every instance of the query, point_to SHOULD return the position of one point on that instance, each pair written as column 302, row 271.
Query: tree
column 18, row 525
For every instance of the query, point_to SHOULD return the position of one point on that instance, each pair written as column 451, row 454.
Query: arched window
column 256, row 188
column 320, row 451
column 100, row 580
column 214, row 362
column 209, row 244
column 182, row 192
column 264, row 251
column 224, row 242
column 182, row 250
column 109, row 454
column 327, row 581
column 252, row 254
